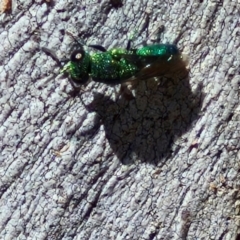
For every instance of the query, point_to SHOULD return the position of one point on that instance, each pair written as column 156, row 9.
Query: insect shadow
column 148, row 127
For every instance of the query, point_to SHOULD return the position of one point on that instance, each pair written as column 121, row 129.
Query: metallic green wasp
column 118, row 65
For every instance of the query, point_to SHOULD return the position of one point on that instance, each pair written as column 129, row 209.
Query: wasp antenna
column 78, row 41
column 98, row 47
column 64, row 61
column 82, row 43
column 52, row 54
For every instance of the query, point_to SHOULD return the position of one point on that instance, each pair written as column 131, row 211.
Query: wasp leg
column 131, row 39
column 126, row 92
column 76, row 91
column 76, row 88
column 160, row 29
column 129, row 44
column 127, row 88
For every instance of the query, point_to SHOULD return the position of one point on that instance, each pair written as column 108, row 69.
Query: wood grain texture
column 163, row 165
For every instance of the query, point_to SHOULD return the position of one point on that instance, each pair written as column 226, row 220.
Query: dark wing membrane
column 162, row 67
column 159, row 66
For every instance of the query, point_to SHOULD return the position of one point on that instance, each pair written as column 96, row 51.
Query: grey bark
column 164, row 165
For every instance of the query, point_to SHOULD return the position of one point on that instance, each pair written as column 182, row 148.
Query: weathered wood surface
column 164, row 165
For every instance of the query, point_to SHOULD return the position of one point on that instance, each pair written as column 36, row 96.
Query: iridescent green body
column 117, row 65
column 110, row 67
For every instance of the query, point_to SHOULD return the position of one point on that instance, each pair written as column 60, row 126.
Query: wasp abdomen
column 158, row 50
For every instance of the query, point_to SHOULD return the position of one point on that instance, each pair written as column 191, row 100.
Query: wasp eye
column 77, row 55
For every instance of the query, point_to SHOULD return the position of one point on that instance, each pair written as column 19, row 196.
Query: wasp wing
column 155, row 66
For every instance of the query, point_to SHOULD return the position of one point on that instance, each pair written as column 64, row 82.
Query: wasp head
column 78, row 67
